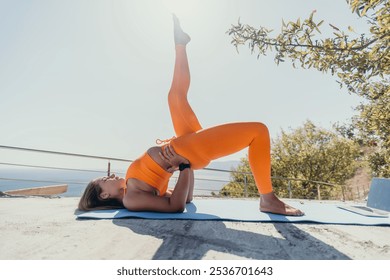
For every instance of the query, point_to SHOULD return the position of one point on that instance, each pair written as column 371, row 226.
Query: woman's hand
column 169, row 155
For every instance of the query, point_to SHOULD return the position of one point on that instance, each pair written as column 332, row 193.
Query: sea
column 207, row 182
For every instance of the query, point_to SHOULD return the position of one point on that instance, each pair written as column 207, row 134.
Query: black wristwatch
column 183, row 166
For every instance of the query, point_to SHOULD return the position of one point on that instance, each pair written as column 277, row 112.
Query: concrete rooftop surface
column 37, row 228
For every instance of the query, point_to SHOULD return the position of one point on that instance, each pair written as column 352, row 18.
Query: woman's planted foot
column 271, row 204
column 181, row 38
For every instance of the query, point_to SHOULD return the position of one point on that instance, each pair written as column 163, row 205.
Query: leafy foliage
column 313, row 154
column 242, row 182
column 361, row 63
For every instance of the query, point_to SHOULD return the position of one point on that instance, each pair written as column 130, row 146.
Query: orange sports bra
column 147, row 170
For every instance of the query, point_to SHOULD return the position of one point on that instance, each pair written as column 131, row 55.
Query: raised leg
column 183, row 117
column 202, row 146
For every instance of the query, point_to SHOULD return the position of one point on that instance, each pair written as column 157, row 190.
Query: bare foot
column 271, row 204
column 181, row 38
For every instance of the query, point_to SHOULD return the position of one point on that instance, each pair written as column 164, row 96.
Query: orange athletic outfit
column 200, row 146
column 147, row 170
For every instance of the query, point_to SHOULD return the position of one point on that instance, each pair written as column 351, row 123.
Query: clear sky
column 91, row 77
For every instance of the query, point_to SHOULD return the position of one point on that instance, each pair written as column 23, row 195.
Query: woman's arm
column 144, row 201
column 174, row 160
column 136, row 200
column 190, row 190
column 191, row 186
column 179, row 196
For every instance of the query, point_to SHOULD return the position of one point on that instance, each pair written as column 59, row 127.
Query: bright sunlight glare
column 181, row 7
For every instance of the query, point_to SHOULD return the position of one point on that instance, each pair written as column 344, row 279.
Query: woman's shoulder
column 138, row 199
column 135, row 186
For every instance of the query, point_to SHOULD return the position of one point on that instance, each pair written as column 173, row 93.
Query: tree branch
column 317, row 46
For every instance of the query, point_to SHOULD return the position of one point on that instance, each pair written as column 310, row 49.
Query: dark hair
column 91, row 200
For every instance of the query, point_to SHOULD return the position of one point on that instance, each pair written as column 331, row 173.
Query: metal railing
column 108, row 171
column 318, row 184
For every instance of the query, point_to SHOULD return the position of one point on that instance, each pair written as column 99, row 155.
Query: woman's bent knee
column 261, row 128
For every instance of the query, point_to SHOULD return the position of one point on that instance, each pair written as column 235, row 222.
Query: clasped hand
column 169, row 155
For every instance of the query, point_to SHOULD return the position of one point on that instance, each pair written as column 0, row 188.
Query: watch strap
column 183, row 166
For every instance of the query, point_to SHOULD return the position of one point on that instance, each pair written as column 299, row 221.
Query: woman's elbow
column 178, row 208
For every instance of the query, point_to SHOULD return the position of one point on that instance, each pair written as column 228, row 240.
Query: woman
column 145, row 186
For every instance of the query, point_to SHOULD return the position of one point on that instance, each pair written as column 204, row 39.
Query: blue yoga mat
column 248, row 210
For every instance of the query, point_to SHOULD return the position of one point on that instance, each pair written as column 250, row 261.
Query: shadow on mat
column 192, row 239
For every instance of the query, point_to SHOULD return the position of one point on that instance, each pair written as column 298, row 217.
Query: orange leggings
column 200, row 146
